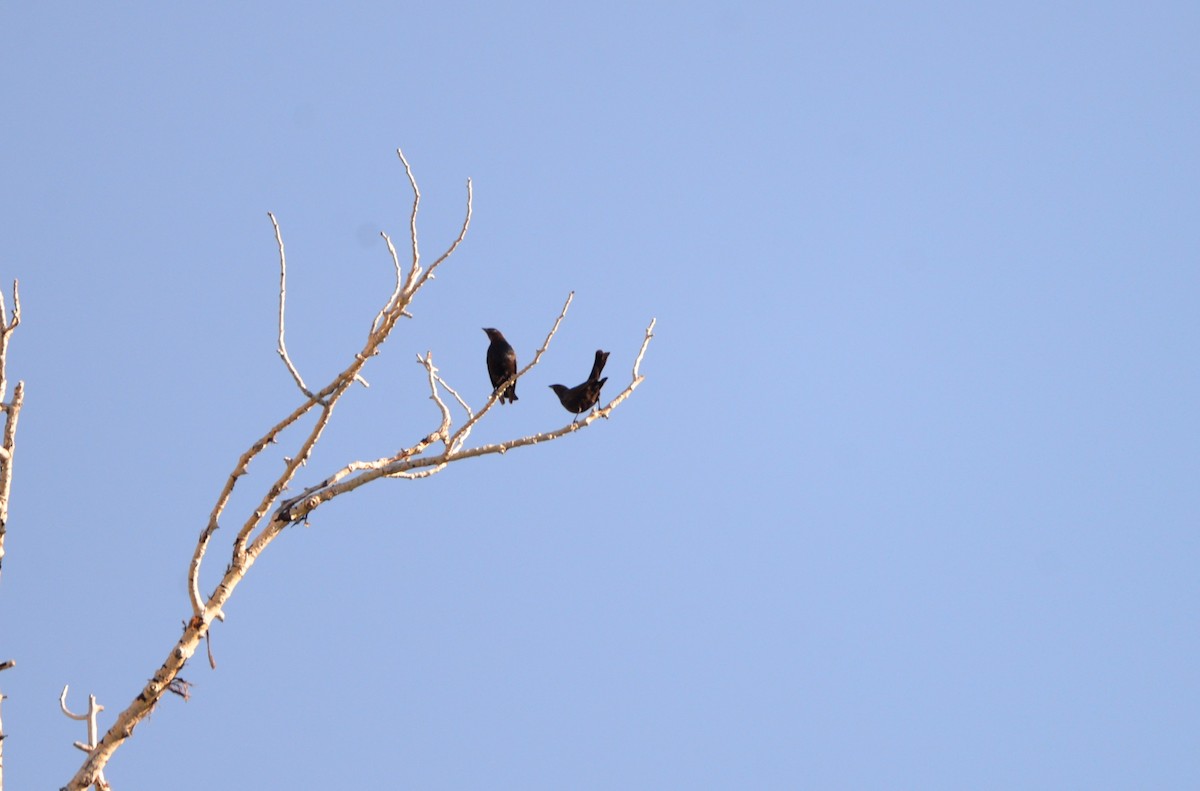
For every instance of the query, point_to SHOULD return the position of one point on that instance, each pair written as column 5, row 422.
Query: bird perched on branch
column 581, row 398
column 501, row 363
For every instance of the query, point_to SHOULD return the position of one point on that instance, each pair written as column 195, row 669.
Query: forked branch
column 269, row 516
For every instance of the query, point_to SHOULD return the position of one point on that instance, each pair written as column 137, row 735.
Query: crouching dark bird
column 581, row 398
column 501, row 363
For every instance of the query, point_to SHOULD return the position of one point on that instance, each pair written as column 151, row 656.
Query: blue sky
column 907, row 500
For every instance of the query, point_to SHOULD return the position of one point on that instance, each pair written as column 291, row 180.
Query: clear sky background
column 908, row 499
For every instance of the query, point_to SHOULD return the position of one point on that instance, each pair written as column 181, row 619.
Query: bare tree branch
column 461, row 435
column 282, row 302
column 399, row 282
column 6, row 330
column 448, row 388
column 7, row 447
column 93, row 729
column 12, row 411
column 269, row 516
column 5, row 665
column 412, row 221
column 399, row 465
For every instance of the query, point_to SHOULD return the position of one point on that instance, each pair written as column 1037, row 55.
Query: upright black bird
column 581, row 398
column 501, row 363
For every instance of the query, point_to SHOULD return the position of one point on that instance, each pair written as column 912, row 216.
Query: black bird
column 581, row 398
column 502, row 363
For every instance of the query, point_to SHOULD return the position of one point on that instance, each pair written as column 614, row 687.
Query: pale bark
column 272, row 515
column 8, row 448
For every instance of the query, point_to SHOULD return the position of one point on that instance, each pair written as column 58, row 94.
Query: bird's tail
column 598, row 366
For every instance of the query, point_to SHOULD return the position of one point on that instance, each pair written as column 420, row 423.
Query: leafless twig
column 282, row 303
column 93, row 729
